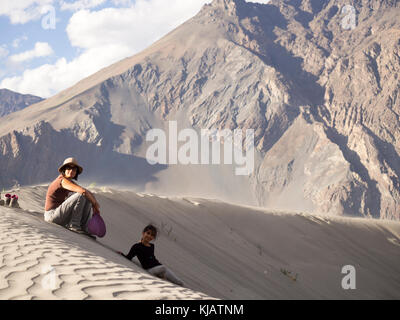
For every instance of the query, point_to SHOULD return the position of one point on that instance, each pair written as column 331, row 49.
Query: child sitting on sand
column 144, row 250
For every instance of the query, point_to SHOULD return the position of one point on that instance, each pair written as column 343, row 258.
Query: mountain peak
column 229, row 6
column 226, row 2
column 11, row 101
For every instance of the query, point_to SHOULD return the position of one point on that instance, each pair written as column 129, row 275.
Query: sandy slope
column 225, row 251
column 44, row 261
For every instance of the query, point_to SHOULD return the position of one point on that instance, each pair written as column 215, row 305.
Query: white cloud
column 42, row 49
column 80, row 4
column 137, row 26
column 49, row 79
column 23, row 11
column 122, row 2
column 31, row 79
column 105, row 36
column 3, row 55
column 17, row 41
column 3, row 52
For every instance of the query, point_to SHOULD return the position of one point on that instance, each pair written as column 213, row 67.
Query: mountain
column 12, row 101
column 316, row 80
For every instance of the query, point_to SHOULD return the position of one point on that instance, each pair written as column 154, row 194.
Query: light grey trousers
column 165, row 273
column 73, row 212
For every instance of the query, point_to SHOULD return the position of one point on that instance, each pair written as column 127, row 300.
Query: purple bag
column 96, row 226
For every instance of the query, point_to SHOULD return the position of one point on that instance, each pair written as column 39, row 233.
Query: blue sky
column 49, row 45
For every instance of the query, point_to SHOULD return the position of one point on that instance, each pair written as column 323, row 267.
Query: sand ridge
column 44, row 261
column 218, row 249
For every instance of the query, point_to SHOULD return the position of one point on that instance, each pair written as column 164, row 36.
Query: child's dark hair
column 76, row 175
column 151, row 228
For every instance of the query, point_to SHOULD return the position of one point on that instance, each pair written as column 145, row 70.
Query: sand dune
column 218, row 249
column 43, row 261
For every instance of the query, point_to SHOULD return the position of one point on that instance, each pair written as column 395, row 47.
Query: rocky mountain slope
column 12, row 101
column 318, row 84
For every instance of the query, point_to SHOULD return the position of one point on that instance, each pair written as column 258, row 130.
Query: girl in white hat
column 71, row 212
